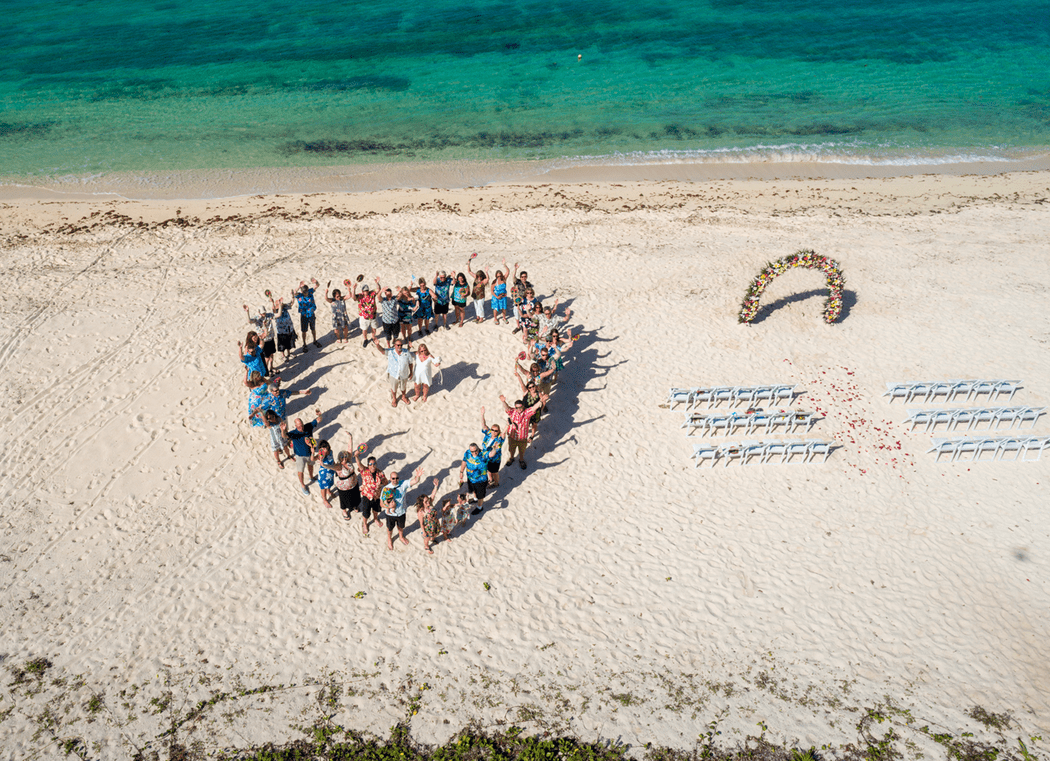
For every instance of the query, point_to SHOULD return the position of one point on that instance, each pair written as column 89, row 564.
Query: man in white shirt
column 399, row 363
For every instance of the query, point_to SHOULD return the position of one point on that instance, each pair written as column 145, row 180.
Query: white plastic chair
column 681, row 396
column 716, row 422
column 794, row 448
column 819, row 447
column 703, row 452
column 963, row 445
column 1007, row 386
column 896, row 391
column 1029, row 413
column 1036, row 444
column 781, row 393
column 770, row 448
column 721, row 394
column 941, row 446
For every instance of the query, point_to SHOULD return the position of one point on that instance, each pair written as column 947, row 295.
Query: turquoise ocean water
column 89, row 87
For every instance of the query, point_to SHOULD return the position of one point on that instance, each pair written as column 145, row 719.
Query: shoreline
column 217, row 184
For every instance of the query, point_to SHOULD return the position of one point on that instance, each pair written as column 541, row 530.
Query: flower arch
column 808, row 259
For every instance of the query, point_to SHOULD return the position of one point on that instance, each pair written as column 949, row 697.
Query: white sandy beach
column 149, row 544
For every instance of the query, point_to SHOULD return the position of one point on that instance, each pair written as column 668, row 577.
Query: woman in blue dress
column 424, row 308
column 251, row 353
column 258, row 398
column 406, row 311
column 326, row 470
column 499, row 295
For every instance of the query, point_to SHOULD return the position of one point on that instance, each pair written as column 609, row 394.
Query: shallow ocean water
column 89, row 87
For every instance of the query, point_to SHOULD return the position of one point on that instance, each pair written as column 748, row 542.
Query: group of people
column 357, row 484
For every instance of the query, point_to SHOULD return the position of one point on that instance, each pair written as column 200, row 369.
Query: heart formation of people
column 397, row 314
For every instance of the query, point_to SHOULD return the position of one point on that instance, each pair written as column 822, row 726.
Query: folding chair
column 819, row 447
column 717, row 422
column 896, row 390
column 1010, row 445
column 919, row 388
column 982, row 415
column 963, row 445
column 771, row 448
column 986, row 445
column 703, row 452
column 1007, row 386
column 721, row 394
column 681, row 396
column 794, row 448
column 781, row 393
column 1034, row 444
column 941, row 446
column 1029, row 413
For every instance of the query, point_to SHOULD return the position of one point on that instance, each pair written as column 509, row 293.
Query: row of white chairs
column 765, row 451
column 999, row 447
column 729, row 422
column 947, row 391
column 735, row 395
column 974, row 416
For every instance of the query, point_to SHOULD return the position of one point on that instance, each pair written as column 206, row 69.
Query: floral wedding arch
column 807, row 259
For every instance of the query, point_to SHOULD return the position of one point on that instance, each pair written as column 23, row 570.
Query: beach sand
column 151, row 551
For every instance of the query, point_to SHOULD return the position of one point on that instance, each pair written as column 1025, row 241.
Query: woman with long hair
column 347, row 485
column 460, row 291
column 477, row 292
column 322, row 455
column 423, row 375
column 251, row 353
column 499, row 295
column 430, row 518
column 424, row 309
column 340, row 320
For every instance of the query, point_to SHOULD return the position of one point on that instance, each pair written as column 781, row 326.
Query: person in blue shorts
column 304, row 299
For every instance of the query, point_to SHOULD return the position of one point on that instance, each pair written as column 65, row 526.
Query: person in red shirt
column 372, row 483
column 518, row 428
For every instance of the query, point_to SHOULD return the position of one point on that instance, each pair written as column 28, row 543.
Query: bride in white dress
column 426, row 366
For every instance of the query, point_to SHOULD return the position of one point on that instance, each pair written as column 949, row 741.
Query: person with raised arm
column 251, row 353
column 518, row 430
column 304, row 299
column 430, row 518
column 442, row 295
column 390, row 321
column 518, row 290
column 530, row 395
column 474, row 465
column 300, row 436
column 492, row 447
column 265, row 326
column 499, row 294
column 347, row 485
column 406, row 311
column 372, row 482
column 366, row 309
column 392, row 499
column 477, row 292
column 460, row 292
column 322, row 455
column 424, row 309
column 285, row 328
column 340, row 320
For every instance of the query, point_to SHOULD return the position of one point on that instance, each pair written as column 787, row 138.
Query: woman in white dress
column 426, row 366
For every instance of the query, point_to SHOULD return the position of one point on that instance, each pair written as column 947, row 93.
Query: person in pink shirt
column 518, row 426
